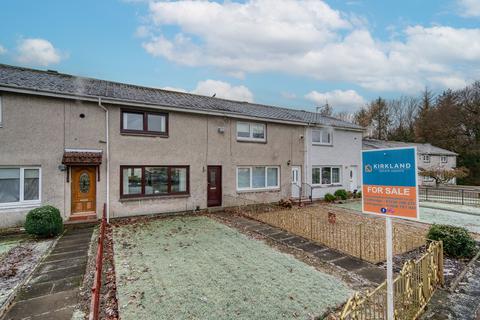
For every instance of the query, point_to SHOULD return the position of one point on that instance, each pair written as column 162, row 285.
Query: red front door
column 214, row 186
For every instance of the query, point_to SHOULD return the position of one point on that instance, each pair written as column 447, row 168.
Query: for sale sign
column 390, row 182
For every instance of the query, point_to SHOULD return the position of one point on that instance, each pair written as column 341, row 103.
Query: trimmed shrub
column 341, row 194
column 44, row 222
column 330, row 197
column 457, row 242
column 358, row 194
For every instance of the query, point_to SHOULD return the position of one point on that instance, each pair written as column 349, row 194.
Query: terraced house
column 77, row 143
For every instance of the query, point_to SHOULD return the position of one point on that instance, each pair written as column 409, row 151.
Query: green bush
column 457, row 242
column 330, row 197
column 44, row 222
column 358, row 194
column 341, row 194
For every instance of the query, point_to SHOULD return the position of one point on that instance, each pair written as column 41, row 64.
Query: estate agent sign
column 390, row 182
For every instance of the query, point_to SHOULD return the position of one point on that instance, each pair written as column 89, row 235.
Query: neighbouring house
column 77, row 143
column 429, row 157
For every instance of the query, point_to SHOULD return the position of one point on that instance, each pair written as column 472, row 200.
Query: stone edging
column 459, row 278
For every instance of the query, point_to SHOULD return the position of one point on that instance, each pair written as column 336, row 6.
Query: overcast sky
column 282, row 52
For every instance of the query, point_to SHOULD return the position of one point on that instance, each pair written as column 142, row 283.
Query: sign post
column 390, row 189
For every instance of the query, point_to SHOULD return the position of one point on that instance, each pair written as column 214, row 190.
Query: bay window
column 251, row 131
column 19, row 186
column 326, row 175
column 258, row 177
column 144, row 122
column 145, row 181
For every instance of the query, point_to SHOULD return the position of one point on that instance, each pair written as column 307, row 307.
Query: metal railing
column 305, row 191
column 413, row 288
column 97, row 282
column 469, row 197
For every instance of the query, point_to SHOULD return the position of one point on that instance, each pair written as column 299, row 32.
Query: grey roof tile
column 422, row 148
column 46, row 81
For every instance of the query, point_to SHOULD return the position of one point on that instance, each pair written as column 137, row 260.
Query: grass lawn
column 433, row 212
column 197, row 268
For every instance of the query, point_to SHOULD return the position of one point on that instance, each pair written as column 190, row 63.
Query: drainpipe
column 107, row 158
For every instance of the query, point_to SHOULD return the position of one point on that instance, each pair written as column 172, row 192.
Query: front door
column 296, row 181
column 214, row 186
column 353, row 178
column 84, row 189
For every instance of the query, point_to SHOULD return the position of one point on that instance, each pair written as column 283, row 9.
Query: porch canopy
column 82, row 157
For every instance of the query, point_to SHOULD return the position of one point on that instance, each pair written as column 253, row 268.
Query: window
column 144, row 122
column 426, row 158
column 444, row 159
column 251, row 131
column 258, row 177
column 145, row 181
column 325, row 175
column 19, row 186
column 322, row 136
column 428, row 179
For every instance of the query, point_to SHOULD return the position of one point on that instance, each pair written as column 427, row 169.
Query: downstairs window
column 19, row 186
column 258, row 177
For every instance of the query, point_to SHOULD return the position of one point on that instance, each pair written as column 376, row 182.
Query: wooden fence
column 413, row 288
column 359, row 236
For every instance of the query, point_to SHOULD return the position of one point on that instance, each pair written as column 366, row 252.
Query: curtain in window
column 243, row 178
column 31, row 186
column 243, row 130
column 258, row 131
column 179, row 180
column 258, row 177
column 326, row 175
column 9, row 185
column 132, row 181
column 272, row 177
column 316, row 176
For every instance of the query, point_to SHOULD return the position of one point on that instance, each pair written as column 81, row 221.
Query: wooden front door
column 84, row 191
column 214, row 186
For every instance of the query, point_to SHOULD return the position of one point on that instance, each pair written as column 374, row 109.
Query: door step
column 82, row 217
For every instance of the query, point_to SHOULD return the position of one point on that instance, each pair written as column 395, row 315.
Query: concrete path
column 362, row 268
column 52, row 291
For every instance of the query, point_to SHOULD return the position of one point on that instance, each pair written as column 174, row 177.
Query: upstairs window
column 144, row 122
column 251, row 131
column 19, row 186
column 426, row 158
column 322, row 136
column 444, row 159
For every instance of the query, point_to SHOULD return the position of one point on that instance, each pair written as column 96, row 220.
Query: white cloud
column 38, row 52
column 340, row 100
column 223, row 90
column 2, row 49
column 309, row 38
column 469, row 8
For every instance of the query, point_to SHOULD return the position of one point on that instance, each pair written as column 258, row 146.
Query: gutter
column 157, row 106
column 107, row 157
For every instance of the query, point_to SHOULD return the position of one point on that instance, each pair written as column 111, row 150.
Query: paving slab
column 269, row 231
column 56, row 265
column 328, row 255
column 58, row 274
column 44, row 304
column 294, row 241
column 311, row 247
column 63, row 249
column 350, row 263
column 62, row 314
column 281, row 235
column 373, row 274
column 66, row 255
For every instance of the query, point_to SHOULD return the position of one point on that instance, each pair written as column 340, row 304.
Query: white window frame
column 322, row 131
column 444, row 159
column 22, row 202
column 340, row 175
column 426, row 158
column 250, row 127
column 250, row 188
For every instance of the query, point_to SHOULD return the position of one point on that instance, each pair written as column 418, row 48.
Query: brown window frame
column 142, row 194
column 144, row 131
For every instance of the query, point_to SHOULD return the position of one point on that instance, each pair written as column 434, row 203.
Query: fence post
column 426, row 193
column 361, row 241
column 463, row 197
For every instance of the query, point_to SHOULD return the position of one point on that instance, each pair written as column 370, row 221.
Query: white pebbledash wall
column 344, row 152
